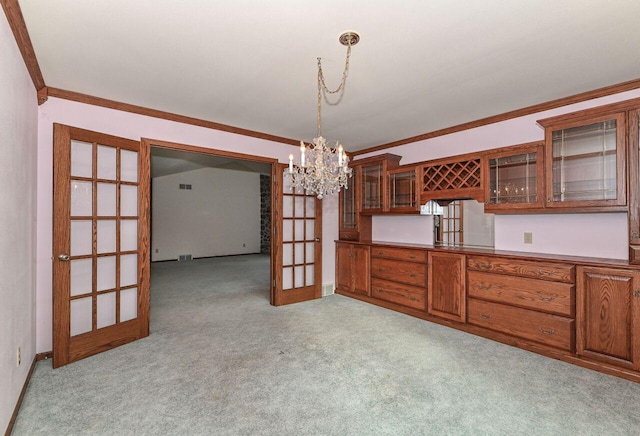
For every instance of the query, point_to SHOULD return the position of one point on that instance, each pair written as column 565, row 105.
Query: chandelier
column 323, row 170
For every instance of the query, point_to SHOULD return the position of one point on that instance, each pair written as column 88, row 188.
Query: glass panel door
column 97, row 279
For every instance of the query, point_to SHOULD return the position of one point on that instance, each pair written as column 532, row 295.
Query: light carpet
column 221, row 361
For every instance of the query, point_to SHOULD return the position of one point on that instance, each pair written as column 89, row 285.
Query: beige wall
column 18, row 129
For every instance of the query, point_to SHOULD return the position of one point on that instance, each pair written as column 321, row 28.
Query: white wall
column 593, row 234
column 134, row 126
column 219, row 215
column 18, row 146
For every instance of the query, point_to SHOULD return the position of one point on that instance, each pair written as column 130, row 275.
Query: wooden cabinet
column 456, row 177
column 374, row 197
column 399, row 276
column 634, row 186
column 367, row 194
column 585, row 162
column 608, row 315
column 532, row 300
column 352, row 268
column 403, row 192
column 446, row 296
column 514, row 178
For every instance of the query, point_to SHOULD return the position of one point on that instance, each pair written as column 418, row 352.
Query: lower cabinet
column 446, row 296
column 608, row 315
column 399, row 276
column 352, row 268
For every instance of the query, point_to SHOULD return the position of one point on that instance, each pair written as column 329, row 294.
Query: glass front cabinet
column 585, row 165
column 515, row 178
column 403, row 193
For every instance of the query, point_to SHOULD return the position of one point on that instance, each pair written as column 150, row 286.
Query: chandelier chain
column 322, row 86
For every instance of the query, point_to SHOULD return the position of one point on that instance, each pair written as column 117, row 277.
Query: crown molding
column 140, row 110
column 19, row 28
column 577, row 98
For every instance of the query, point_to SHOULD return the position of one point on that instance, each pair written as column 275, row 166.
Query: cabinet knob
column 543, row 298
column 636, row 293
column 546, row 332
column 483, row 316
column 634, row 235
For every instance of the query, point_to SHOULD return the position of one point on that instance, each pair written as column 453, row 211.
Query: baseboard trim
column 12, row 421
column 44, row 356
column 211, row 257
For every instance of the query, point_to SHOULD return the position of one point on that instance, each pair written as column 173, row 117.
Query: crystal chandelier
column 323, row 170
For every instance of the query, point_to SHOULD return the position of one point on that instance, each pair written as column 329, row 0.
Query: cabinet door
column 608, row 316
column 343, row 267
column 360, row 270
column 373, row 187
column 446, row 292
column 585, row 162
column 515, row 178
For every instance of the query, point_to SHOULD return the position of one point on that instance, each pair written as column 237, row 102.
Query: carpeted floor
column 221, row 361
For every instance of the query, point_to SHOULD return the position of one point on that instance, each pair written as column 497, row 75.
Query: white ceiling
column 420, row 65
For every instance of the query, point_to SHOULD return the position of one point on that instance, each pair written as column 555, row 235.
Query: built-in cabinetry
column 446, row 296
column 585, row 160
column 403, row 190
column 399, row 275
column 352, row 268
column 634, row 185
column 608, row 315
column 450, row 178
column 367, row 193
column 515, row 178
column 584, row 311
column 529, row 299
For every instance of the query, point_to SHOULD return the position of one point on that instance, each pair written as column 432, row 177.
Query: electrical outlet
column 528, row 238
column 244, row 245
column 157, row 249
column 19, row 360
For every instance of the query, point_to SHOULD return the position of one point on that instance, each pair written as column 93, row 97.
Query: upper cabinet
column 403, row 193
column 373, row 176
column 585, row 160
column 452, row 178
column 514, row 178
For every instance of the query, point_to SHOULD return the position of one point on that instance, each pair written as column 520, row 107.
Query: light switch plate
column 528, row 238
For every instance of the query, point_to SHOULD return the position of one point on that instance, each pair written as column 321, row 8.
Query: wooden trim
column 565, row 101
column 19, row 28
column 577, row 118
column 144, row 236
column 14, row 415
column 44, row 356
column 140, row 110
column 205, row 150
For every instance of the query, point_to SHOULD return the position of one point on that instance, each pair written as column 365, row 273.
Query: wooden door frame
column 145, row 146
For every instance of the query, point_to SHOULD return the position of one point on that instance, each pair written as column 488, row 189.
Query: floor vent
column 183, row 257
column 327, row 289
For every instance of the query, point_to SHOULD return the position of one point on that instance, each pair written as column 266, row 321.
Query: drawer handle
column 412, row 257
column 381, row 291
column 541, row 297
column 412, row 275
column 380, row 252
column 483, row 316
column 546, row 273
column 380, row 269
column 485, row 287
column 547, row 332
column 484, row 265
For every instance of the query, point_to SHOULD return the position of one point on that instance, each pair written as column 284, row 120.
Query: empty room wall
column 218, row 216
column 18, row 143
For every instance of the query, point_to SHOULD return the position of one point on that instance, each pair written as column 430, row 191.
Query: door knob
column 63, row 257
column 317, row 239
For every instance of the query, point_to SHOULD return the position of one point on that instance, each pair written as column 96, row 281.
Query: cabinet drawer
column 556, row 272
column 552, row 330
column 406, row 272
column 553, row 297
column 399, row 253
column 406, row 295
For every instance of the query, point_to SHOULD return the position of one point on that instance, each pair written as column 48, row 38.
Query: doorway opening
column 210, row 224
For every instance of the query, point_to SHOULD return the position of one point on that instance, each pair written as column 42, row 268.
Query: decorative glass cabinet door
column 586, row 164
